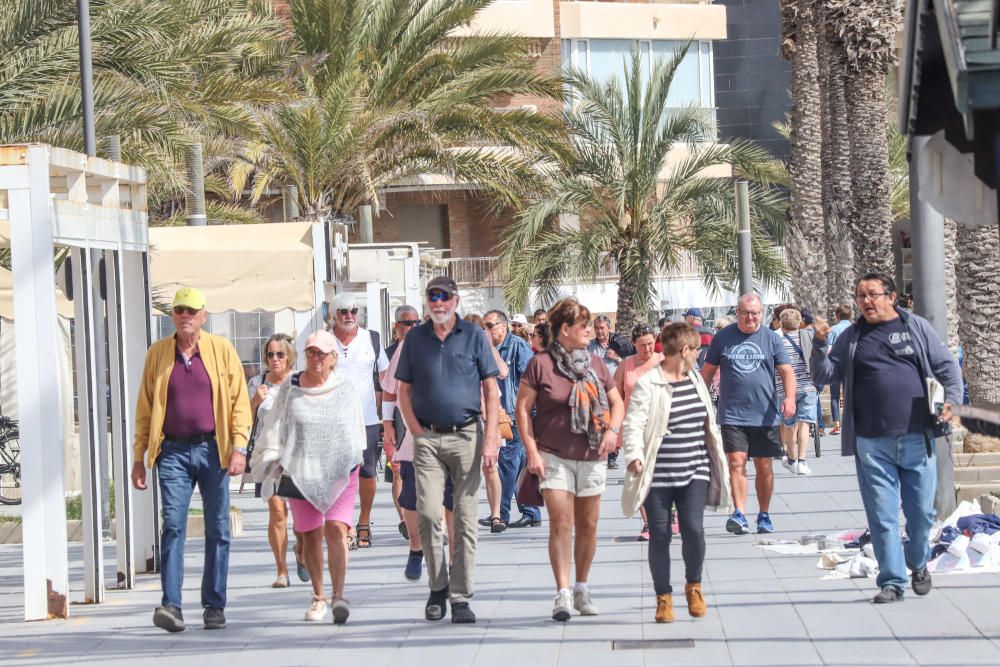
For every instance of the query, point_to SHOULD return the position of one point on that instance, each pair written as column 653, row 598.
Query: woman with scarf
column 578, row 416
column 311, row 443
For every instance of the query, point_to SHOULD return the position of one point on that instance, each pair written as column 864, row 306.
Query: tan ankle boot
column 696, row 603
column 664, row 608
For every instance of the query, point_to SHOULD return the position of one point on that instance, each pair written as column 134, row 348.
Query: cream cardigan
column 643, row 430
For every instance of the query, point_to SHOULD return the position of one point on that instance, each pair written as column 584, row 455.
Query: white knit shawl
column 314, row 435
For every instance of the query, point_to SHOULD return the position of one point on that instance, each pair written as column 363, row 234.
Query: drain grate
column 642, row 644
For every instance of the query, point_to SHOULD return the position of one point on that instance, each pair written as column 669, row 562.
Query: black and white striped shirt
column 682, row 456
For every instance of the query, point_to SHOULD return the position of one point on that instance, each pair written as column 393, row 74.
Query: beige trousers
column 437, row 456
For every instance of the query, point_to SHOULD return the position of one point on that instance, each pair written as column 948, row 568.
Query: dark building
column 752, row 80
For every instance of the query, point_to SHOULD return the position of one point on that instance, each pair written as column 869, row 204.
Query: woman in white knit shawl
column 315, row 435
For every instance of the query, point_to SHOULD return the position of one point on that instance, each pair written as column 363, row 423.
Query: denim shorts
column 805, row 409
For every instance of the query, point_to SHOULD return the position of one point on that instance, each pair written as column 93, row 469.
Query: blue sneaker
column 764, row 524
column 737, row 523
column 414, row 565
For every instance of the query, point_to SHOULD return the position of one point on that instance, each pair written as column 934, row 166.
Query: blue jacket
column 516, row 353
column 838, row 366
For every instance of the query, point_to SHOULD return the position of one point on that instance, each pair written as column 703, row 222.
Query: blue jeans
column 890, row 467
column 179, row 467
column 835, row 402
column 512, row 459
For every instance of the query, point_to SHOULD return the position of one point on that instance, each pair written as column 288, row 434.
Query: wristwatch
column 615, row 430
column 240, row 450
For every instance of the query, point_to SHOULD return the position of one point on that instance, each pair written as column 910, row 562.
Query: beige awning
column 63, row 306
column 238, row 267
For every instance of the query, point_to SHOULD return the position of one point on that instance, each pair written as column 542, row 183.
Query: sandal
column 497, row 525
column 364, row 538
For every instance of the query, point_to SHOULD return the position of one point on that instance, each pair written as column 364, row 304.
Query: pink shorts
column 307, row 518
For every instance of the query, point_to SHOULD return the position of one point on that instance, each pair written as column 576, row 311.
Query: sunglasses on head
column 439, row 296
column 184, row 310
column 408, row 323
column 344, row 311
column 275, row 355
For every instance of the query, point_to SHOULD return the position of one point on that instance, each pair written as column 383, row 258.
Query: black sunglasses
column 408, row 323
column 275, row 355
column 344, row 311
column 184, row 310
column 439, row 296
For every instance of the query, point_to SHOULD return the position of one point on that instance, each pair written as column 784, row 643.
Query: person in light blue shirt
column 844, row 313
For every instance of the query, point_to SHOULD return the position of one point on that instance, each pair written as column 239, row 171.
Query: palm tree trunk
column 836, row 156
column 806, row 254
column 867, row 31
column 978, row 272
column 626, row 315
column 951, row 282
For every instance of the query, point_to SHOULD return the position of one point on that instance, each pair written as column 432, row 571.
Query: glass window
column 685, row 90
column 608, row 58
column 707, row 89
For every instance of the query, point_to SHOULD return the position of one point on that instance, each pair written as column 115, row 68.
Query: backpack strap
column 797, row 347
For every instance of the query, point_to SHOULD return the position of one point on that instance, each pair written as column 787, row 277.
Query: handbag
column 528, row 492
column 505, row 425
column 286, row 489
column 252, row 440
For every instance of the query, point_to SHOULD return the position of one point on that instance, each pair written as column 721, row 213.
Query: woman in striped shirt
column 673, row 449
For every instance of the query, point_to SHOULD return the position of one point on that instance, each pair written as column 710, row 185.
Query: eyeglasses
column 184, row 310
column 490, row 325
column 748, row 313
column 314, row 352
column 874, row 296
column 276, row 355
column 344, row 311
column 439, row 296
column 408, row 323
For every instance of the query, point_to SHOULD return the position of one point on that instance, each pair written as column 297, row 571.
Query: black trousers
column 690, row 501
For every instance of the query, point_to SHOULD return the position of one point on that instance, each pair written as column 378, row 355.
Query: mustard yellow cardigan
column 230, row 401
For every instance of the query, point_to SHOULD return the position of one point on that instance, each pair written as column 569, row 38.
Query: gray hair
column 402, row 310
column 502, row 316
column 603, row 318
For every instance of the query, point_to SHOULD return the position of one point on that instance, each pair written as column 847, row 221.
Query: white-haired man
column 362, row 359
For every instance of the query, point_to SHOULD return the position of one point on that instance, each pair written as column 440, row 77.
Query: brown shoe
column 696, row 603
column 664, row 608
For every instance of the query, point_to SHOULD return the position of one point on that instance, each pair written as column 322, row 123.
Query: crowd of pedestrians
column 540, row 411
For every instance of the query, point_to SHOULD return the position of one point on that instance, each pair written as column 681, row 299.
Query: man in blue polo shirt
column 441, row 369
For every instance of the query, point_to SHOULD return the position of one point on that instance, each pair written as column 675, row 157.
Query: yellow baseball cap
column 190, row 297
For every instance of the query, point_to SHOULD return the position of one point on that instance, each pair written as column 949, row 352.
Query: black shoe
column 888, row 594
column 437, row 603
column 497, row 525
column 214, row 618
column 612, row 465
column 524, row 522
column 461, row 613
column 921, row 581
column 485, row 523
column 169, row 618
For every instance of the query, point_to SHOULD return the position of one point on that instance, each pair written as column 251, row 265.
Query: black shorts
column 369, row 467
column 408, row 493
column 754, row 441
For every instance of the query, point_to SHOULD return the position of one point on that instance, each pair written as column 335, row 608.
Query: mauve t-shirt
column 551, row 420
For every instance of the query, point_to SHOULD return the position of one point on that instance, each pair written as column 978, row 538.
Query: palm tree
column 867, row 30
column 384, row 92
column 805, row 234
column 166, row 73
column 977, row 268
column 638, row 208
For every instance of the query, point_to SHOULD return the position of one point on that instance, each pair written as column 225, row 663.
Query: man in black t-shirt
column 887, row 361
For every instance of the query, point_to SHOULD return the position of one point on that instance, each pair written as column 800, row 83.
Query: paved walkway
column 764, row 608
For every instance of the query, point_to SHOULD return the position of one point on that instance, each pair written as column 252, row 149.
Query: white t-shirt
column 357, row 360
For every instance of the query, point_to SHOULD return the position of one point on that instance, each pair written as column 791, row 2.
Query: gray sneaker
column 582, row 602
column 169, row 618
column 562, row 606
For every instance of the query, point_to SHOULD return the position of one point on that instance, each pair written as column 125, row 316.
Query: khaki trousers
column 437, row 456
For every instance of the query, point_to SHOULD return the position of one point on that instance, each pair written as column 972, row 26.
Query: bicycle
column 10, row 462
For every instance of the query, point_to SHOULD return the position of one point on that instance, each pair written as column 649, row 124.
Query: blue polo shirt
column 445, row 375
column 516, row 353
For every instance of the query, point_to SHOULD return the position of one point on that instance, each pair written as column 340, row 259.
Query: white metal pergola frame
column 97, row 208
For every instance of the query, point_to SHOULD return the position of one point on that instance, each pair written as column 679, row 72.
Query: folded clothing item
column 979, row 523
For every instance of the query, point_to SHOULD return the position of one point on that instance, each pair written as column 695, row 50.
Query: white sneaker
column 802, row 469
column 317, row 609
column 788, row 463
column 562, row 606
column 582, row 602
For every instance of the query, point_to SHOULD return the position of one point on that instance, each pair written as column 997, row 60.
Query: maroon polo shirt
column 189, row 398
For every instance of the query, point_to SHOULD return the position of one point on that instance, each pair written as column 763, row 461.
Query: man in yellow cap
column 192, row 421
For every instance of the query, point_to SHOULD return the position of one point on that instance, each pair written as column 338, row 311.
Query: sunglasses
column 439, row 296
column 184, row 310
column 516, row 325
column 408, row 323
column 344, row 311
column 315, row 352
column 275, row 355
column 490, row 325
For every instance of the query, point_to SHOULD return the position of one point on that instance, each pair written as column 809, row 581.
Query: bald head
column 749, row 313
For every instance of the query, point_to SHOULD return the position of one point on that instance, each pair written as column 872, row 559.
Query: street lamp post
column 86, row 77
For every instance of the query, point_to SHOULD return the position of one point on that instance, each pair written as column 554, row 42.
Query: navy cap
column 807, row 315
column 692, row 312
